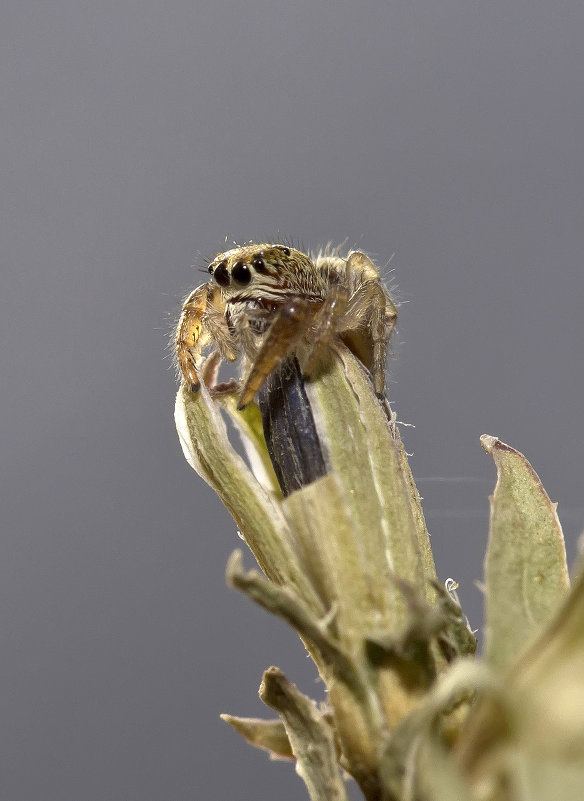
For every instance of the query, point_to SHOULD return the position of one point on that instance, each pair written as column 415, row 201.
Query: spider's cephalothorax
column 267, row 301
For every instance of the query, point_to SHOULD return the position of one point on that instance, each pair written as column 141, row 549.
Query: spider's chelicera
column 266, row 302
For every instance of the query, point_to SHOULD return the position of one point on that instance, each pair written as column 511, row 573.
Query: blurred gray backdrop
column 135, row 138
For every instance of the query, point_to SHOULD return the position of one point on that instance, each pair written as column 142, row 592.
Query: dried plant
column 345, row 559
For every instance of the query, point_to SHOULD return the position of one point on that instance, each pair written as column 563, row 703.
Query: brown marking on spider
column 267, row 301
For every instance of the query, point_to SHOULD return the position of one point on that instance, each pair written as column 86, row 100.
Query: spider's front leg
column 201, row 321
column 290, row 324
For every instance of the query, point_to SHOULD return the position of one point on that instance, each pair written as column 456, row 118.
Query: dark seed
column 289, row 428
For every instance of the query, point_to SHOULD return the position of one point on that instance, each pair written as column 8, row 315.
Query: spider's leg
column 285, row 332
column 366, row 328
column 360, row 265
column 325, row 325
column 198, row 325
column 371, row 314
column 381, row 325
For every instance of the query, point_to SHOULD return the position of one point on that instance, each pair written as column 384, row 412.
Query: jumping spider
column 268, row 301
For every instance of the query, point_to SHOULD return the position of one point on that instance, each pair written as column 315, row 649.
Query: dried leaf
column 280, row 601
column 540, row 778
column 437, row 776
column 248, row 423
column 526, row 574
column 310, row 736
column 267, row 734
column 363, row 452
column 528, row 734
column 549, row 680
column 203, row 437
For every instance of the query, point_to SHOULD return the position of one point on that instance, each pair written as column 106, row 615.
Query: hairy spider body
column 268, row 301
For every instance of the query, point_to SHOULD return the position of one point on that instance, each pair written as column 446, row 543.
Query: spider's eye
column 259, row 264
column 286, row 251
column 241, row 273
column 221, row 275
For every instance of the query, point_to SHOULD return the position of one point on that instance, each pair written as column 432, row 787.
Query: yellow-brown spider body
column 267, row 301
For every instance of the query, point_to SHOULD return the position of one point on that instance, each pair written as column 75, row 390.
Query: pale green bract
column 346, row 560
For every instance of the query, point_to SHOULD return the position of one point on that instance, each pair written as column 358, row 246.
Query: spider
column 269, row 301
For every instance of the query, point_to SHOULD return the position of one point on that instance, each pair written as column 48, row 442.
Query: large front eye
column 220, row 274
column 241, row 273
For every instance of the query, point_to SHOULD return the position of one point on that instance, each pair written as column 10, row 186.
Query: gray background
column 136, row 137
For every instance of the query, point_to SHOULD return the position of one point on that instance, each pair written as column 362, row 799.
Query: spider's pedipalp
column 285, row 332
column 201, row 321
